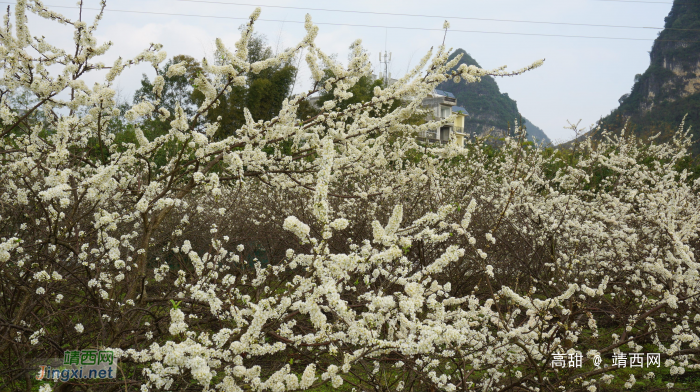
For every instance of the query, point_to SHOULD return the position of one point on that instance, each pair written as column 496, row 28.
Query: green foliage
column 176, row 91
column 263, row 93
column 684, row 18
column 363, row 91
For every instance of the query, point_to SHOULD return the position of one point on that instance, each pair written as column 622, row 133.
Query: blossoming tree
column 334, row 251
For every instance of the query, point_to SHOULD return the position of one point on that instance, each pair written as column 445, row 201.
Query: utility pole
column 385, row 61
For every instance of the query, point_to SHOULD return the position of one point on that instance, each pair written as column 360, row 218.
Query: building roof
column 444, row 93
column 460, row 109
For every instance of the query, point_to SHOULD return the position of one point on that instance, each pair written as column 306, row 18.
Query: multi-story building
column 442, row 105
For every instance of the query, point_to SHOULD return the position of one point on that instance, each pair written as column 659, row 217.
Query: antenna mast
column 386, row 60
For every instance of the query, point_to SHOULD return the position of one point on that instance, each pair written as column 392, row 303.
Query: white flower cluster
column 177, row 322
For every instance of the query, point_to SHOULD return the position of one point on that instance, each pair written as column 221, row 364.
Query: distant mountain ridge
column 670, row 88
column 488, row 108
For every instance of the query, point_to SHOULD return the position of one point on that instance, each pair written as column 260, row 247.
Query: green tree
column 362, row 91
column 177, row 90
column 263, row 93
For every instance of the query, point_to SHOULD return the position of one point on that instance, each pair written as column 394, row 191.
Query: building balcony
column 428, row 135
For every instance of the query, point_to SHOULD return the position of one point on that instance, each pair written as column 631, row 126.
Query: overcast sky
column 582, row 78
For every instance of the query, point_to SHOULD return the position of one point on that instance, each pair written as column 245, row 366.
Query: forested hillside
column 488, row 107
column 670, row 88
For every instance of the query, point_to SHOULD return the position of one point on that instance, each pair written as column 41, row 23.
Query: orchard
column 328, row 252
